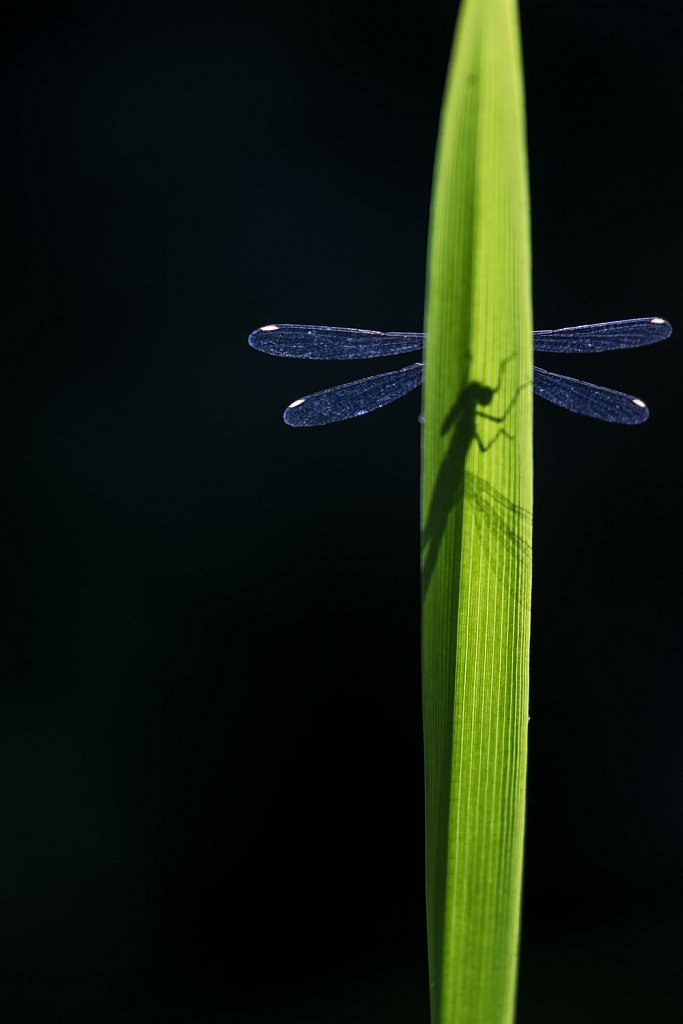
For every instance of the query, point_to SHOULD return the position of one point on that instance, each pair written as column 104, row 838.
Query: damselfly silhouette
column 361, row 396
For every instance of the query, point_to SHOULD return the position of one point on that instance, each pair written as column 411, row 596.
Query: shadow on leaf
column 496, row 514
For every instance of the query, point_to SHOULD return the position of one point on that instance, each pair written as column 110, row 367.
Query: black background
column 211, row 738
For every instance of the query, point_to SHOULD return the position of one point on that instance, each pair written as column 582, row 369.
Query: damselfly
column 361, row 396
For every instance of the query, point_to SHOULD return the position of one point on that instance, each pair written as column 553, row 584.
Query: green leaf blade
column 477, row 522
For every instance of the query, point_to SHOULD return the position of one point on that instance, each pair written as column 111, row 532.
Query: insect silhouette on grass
column 346, row 401
column 462, row 429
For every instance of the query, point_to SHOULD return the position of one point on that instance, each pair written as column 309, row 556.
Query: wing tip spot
column 657, row 320
column 639, row 402
column 270, row 327
column 299, row 401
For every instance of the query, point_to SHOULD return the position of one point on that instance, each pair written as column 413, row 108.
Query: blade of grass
column 476, row 521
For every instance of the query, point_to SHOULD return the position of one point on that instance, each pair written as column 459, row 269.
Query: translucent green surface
column 476, row 520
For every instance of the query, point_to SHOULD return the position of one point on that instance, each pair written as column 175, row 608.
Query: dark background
column 211, row 738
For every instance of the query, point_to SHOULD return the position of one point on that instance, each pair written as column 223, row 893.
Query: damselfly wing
column 358, row 397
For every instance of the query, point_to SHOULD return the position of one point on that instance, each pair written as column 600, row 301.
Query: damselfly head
column 481, row 394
